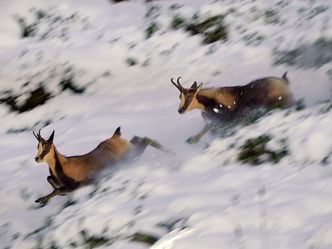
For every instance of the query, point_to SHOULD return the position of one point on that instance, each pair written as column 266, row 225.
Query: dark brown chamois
column 69, row 173
column 225, row 104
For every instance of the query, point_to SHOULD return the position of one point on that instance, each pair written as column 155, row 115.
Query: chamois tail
column 284, row 78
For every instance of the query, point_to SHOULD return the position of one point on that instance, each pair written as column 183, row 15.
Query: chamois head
column 44, row 146
column 187, row 95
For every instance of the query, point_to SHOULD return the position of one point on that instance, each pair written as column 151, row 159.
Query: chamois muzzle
column 181, row 111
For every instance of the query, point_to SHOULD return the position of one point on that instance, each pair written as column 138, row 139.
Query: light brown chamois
column 226, row 104
column 69, row 173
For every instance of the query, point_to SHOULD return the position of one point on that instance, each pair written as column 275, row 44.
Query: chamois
column 227, row 104
column 69, row 173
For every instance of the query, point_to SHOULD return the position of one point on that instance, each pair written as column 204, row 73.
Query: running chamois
column 70, row 173
column 232, row 103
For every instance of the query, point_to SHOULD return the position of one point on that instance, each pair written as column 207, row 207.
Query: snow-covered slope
column 85, row 67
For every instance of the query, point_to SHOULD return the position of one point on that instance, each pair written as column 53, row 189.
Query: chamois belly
column 74, row 172
column 86, row 170
column 218, row 113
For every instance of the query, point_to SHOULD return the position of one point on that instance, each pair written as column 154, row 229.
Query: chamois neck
column 206, row 99
column 54, row 157
column 207, row 92
column 60, row 156
column 220, row 97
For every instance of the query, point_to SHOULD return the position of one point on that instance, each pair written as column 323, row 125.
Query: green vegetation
column 93, row 241
column 316, row 11
column 37, row 97
column 255, row 151
column 153, row 27
column 144, row 238
column 312, row 55
column 131, row 61
column 178, row 22
column 68, row 84
column 27, row 30
column 212, row 28
column 40, row 95
column 271, row 16
column 299, row 105
column 172, row 224
column 253, row 39
column 47, row 223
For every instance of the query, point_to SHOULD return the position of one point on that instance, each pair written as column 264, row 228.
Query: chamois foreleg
column 198, row 136
column 52, row 181
column 57, row 191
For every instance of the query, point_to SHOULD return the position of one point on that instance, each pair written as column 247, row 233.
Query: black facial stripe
column 187, row 101
column 46, row 150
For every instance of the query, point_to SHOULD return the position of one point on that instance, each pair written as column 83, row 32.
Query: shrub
column 271, row 16
column 37, row 97
column 312, row 55
column 213, row 29
column 153, row 27
column 255, row 151
column 178, row 22
column 144, row 238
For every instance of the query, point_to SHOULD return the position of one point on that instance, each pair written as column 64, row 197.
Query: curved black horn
column 37, row 136
column 178, row 81
column 33, row 132
column 177, row 84
column 172, row 80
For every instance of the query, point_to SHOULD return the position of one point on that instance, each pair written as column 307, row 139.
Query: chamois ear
column 200, row 86
column 50, row 139
column 117, row 132
column 193, row 86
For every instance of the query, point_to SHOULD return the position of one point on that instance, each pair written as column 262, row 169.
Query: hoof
column 41, row 201
column 192, row 140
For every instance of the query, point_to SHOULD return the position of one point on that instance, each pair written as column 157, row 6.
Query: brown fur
column 268, row 92
column 222, row 96
column 107, row 153
column 84, row 167
column 69, row 173
column 227, row 103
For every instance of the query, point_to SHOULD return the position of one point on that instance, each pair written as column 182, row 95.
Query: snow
column 202, row 197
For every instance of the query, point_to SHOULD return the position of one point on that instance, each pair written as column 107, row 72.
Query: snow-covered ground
column 119, row 74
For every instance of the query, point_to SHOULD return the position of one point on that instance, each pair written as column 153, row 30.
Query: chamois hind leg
column 58, row 191
column 140, row 144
